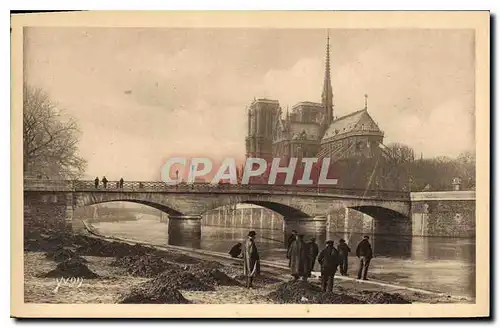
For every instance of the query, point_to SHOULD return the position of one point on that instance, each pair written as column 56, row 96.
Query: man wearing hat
column 251, row 264
column 300, row 261
column 290, row 240
column 329, row 259
column 364, row 253
column 344, row 251
column 313, row 253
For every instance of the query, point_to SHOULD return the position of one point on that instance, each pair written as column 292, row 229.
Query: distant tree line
column 398, row 169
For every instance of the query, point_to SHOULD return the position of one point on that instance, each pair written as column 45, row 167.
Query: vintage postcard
column 250, row 164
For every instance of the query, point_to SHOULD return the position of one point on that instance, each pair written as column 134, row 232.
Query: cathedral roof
column 307, row 104
column 356, row 121
column 273, row 101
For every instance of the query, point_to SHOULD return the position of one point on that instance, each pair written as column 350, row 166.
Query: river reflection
column 441, row 264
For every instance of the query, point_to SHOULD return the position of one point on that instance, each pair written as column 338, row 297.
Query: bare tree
column 401, row 153
column 50, row 139
column 395, row 167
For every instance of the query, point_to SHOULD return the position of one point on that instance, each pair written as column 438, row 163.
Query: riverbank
column 133, row 273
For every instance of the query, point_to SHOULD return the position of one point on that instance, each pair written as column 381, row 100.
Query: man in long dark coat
column 251, row 265
column 300, row 260
column 313, row 253
column 291, row 239
column 289, row 242
column 328, row 258
column 96, row 183
column 364, row 253
column 344, row 251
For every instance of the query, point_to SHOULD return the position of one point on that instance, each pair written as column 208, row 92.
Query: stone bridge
column 52, row 202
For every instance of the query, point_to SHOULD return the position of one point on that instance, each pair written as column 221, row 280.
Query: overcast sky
column 142, row 95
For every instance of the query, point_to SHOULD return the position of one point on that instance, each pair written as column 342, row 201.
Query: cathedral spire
column 327, row 95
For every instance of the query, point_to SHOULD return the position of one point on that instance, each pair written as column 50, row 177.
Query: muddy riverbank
column 63, row 268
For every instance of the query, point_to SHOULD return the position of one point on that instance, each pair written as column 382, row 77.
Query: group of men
column 119, row 184
column 302, row 257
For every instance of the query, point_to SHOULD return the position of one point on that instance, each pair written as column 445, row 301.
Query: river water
column 445, row 265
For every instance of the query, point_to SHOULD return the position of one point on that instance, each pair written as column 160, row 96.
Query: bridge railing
column 159, row 186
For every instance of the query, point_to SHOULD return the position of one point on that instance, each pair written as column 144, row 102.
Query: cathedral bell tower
column 327, row 94
column 261, row 119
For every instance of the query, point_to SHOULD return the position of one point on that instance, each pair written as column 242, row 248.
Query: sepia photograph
column 250, row 158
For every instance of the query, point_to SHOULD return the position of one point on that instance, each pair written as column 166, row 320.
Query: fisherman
column 104, row 181
column 251, row 261
column 313, row 253
column 236, row 250
column 121, row 183
column 300, row 260
column 364, row 253
column 328, row 258
column 96, row 182
column 344, row 251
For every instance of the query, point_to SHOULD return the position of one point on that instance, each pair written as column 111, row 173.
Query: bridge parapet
column 159, row 186
column 443, row 195
column 48, row 185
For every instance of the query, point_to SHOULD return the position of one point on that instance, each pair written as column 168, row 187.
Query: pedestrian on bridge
column 251, row 260
column 121, row 183
column 328, row 258
column 96, row 182
column 104, row 182
column 344, row 251
column 364, row 253
column 300, row 260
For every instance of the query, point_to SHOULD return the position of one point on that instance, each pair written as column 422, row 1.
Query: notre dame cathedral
column 311, row 129
column 354, row 142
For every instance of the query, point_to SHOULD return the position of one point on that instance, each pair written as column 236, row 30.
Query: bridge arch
column 282, row 205
column 279, row 208
column 381, row 221
column 183, row 230
column 379, row 209
column 379, row 212
column 163, row 204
